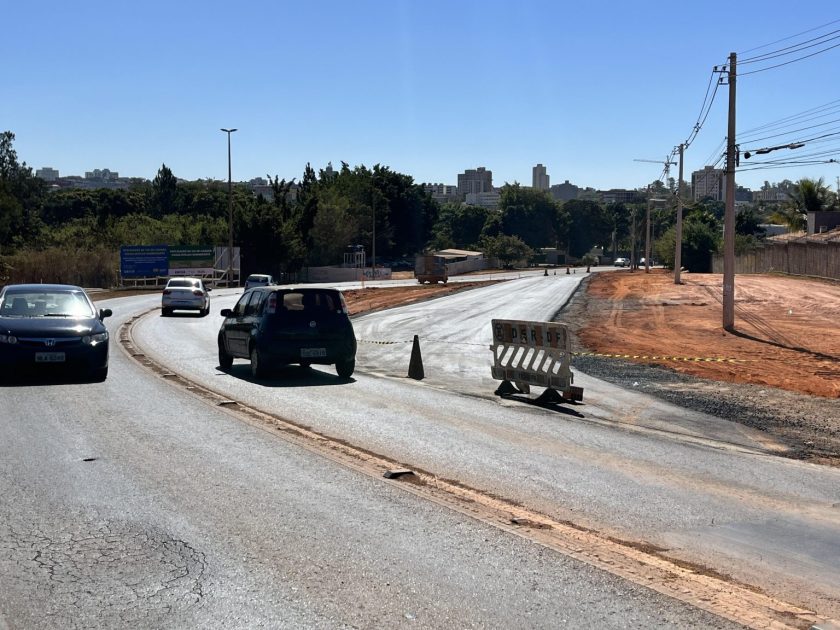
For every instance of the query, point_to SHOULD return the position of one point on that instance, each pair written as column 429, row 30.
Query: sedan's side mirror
column 226, row 312
column 105, row 312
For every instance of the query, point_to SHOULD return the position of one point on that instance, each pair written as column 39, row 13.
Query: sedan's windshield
column 46, row 304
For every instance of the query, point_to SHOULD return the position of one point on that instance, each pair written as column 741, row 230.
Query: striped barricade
column 533, row 353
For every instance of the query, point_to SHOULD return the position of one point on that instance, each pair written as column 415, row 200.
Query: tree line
column 76, row 233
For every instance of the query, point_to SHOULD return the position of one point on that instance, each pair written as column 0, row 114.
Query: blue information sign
column 144, row 261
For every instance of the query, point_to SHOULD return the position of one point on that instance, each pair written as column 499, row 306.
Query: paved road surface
column 130, row 504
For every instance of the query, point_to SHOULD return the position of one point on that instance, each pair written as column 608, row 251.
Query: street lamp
column 230, row 213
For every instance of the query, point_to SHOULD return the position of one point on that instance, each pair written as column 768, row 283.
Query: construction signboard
column 533, row 353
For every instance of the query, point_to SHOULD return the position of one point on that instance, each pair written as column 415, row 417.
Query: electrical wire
column 779, row 65
column 784, row 39
column 778, row 126
column 787, row 133
column 791, row 49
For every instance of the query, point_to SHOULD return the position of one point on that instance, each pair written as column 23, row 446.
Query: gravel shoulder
column 809, row 424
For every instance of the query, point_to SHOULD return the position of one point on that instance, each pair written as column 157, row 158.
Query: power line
column 788, row 122
column 791, row 49
column 787, row 133
column 743, row 74
column 784, row 39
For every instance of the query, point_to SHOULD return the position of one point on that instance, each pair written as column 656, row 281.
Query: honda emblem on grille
column 49, row 342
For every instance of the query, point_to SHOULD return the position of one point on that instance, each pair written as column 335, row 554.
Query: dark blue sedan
column 49, row 327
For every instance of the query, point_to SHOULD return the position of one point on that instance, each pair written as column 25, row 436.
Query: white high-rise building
column 709, row 182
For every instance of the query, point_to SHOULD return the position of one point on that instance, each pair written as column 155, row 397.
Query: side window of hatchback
column 239, row 309
column 254, row 303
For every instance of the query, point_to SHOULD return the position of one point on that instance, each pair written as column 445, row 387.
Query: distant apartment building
column 478, row 180
column 539, row 178
column 47, row 173
column 103, row 174
column 708, row 183
column 769, row 195
column 443, row 193
column 489, row 199
column 619, row 195
column 564, row 191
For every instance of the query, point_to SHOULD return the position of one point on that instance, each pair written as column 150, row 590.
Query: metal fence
column 816, row 256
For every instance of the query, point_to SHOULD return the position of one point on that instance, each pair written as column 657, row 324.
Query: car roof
column 42, row 287
column 190, row 278
column 276, row 287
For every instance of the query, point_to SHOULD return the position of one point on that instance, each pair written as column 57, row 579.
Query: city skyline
column 582, row 91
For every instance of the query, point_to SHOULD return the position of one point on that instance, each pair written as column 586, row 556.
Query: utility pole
column 729, row 216
column 373, row 238
column 230, row 214
column 633, row 241
column 647, row 233
column 678, row 235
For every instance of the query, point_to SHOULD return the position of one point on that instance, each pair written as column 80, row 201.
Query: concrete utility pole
column 230, row 214
column 678, row 235
column 647, row 236
column 633, row 241
column 729, row 216
column 373, row 238
column 647, row 232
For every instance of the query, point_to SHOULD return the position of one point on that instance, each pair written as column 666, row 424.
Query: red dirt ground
column 787, row 330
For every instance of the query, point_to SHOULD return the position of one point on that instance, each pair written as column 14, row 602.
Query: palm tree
column 807, row 195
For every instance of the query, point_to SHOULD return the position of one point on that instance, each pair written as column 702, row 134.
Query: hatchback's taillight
column 271, row 308
column 166, row 291
column 198, row 293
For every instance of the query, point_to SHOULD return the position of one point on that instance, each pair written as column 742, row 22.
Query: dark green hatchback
column 273, row 326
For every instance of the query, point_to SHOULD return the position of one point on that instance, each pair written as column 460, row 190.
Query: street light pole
column 230, row 214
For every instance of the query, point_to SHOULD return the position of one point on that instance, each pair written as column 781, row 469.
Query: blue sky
column 427, row 88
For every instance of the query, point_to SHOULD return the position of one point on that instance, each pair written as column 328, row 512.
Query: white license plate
column 49, row 357
column 308, row 353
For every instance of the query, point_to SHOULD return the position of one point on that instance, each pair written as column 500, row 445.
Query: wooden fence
column 817, row 256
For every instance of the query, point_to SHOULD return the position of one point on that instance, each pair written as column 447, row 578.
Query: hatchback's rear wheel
column 345, row 368
column 165, row 312
column 225, row 360
column 258, row 369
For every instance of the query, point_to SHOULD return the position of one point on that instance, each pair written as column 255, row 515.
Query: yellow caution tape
column 661, row 358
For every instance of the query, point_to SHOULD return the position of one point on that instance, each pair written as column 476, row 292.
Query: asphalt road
column 706, row 490
column 129, row 503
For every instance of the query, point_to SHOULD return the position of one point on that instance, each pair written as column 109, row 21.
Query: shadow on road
column 287, row 376
column 563, row 408
column 47, row 379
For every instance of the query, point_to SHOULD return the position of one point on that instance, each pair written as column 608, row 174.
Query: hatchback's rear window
column 310, row 302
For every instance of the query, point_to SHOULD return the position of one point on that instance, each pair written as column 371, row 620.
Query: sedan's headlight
column 92, row 340
column 8, row 339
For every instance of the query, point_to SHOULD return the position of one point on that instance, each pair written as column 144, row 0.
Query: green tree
column 589, row 226
column 164, row 192
column 506, row 248
column 332, row 230
column 529, row 214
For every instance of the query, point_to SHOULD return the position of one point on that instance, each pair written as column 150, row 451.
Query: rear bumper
column 286, row 352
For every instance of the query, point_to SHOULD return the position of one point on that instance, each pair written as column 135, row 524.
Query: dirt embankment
column 787, row 330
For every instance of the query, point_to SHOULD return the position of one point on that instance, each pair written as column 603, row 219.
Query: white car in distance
column 185, row 294
column 258, row 280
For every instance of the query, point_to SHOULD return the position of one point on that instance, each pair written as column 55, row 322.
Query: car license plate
column 309, row 353
column 49, row 357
